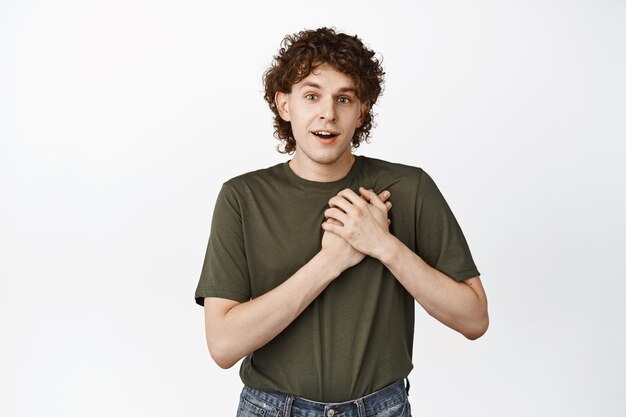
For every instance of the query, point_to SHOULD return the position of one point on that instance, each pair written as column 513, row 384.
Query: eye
column 344, row 100
column 310, row 96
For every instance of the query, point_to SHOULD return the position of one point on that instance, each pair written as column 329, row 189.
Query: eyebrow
column 341, row 90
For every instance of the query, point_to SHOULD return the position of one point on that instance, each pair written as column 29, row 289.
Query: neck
column 320, row 172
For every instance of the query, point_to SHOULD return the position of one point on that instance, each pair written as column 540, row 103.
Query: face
column 324, row 112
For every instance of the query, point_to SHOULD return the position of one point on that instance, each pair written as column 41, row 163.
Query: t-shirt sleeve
column 440, row 241
column 225, row 269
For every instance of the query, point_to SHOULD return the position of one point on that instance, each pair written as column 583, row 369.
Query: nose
column 327, row 112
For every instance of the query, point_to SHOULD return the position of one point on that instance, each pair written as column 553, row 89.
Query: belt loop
column 360, row 407
column 408, row 386
column 288, row 402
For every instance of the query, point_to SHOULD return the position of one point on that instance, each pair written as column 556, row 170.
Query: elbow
column 478, row 328
column 222, row 342
column 222, row 355
column 223, row 361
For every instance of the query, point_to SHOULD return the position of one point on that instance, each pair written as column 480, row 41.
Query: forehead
column 325, row 76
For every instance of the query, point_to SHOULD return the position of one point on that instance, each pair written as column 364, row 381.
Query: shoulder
column 387, row 171
column 255, row 179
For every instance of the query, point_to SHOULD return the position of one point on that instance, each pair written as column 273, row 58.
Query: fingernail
column 387, row 193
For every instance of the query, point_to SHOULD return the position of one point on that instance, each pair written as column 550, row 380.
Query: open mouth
column 325, row 134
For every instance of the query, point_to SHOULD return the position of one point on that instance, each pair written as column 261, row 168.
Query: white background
column 120, row 120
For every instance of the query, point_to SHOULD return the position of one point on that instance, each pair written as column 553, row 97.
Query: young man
column 310, row 272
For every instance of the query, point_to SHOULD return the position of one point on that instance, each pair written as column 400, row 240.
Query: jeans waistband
column 283, row 405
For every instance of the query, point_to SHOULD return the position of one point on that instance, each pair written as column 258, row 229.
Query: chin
column 325, row 158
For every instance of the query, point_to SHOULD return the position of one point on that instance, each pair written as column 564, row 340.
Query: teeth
column 324, row 133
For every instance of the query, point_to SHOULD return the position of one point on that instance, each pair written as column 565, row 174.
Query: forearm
column 248, row 326
column 461, row 306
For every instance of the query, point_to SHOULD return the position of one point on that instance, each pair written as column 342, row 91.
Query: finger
column 342, row 204
column 335, row 213
column 352, row 197
column 388, row 222
column 333, row 221
column 384, row 196
column 372, row 197
column 332, row 228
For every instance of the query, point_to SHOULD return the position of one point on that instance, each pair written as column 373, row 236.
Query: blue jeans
column 391, row 401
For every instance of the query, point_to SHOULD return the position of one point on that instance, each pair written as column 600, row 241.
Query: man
column 310, row 272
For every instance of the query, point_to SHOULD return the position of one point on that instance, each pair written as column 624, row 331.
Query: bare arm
column 461, row 306
column 235, row 329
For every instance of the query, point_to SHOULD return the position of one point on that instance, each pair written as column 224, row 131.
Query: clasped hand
column 356, row 224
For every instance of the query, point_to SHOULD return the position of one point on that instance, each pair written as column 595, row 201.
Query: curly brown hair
column 303, row 52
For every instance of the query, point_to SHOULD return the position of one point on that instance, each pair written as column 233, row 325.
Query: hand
column 362, row 221
column 339, row 248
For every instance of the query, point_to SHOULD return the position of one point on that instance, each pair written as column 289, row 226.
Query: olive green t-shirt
column 357, row 335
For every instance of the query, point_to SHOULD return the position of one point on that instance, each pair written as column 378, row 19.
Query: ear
column 365, row 107
column 282, row 105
